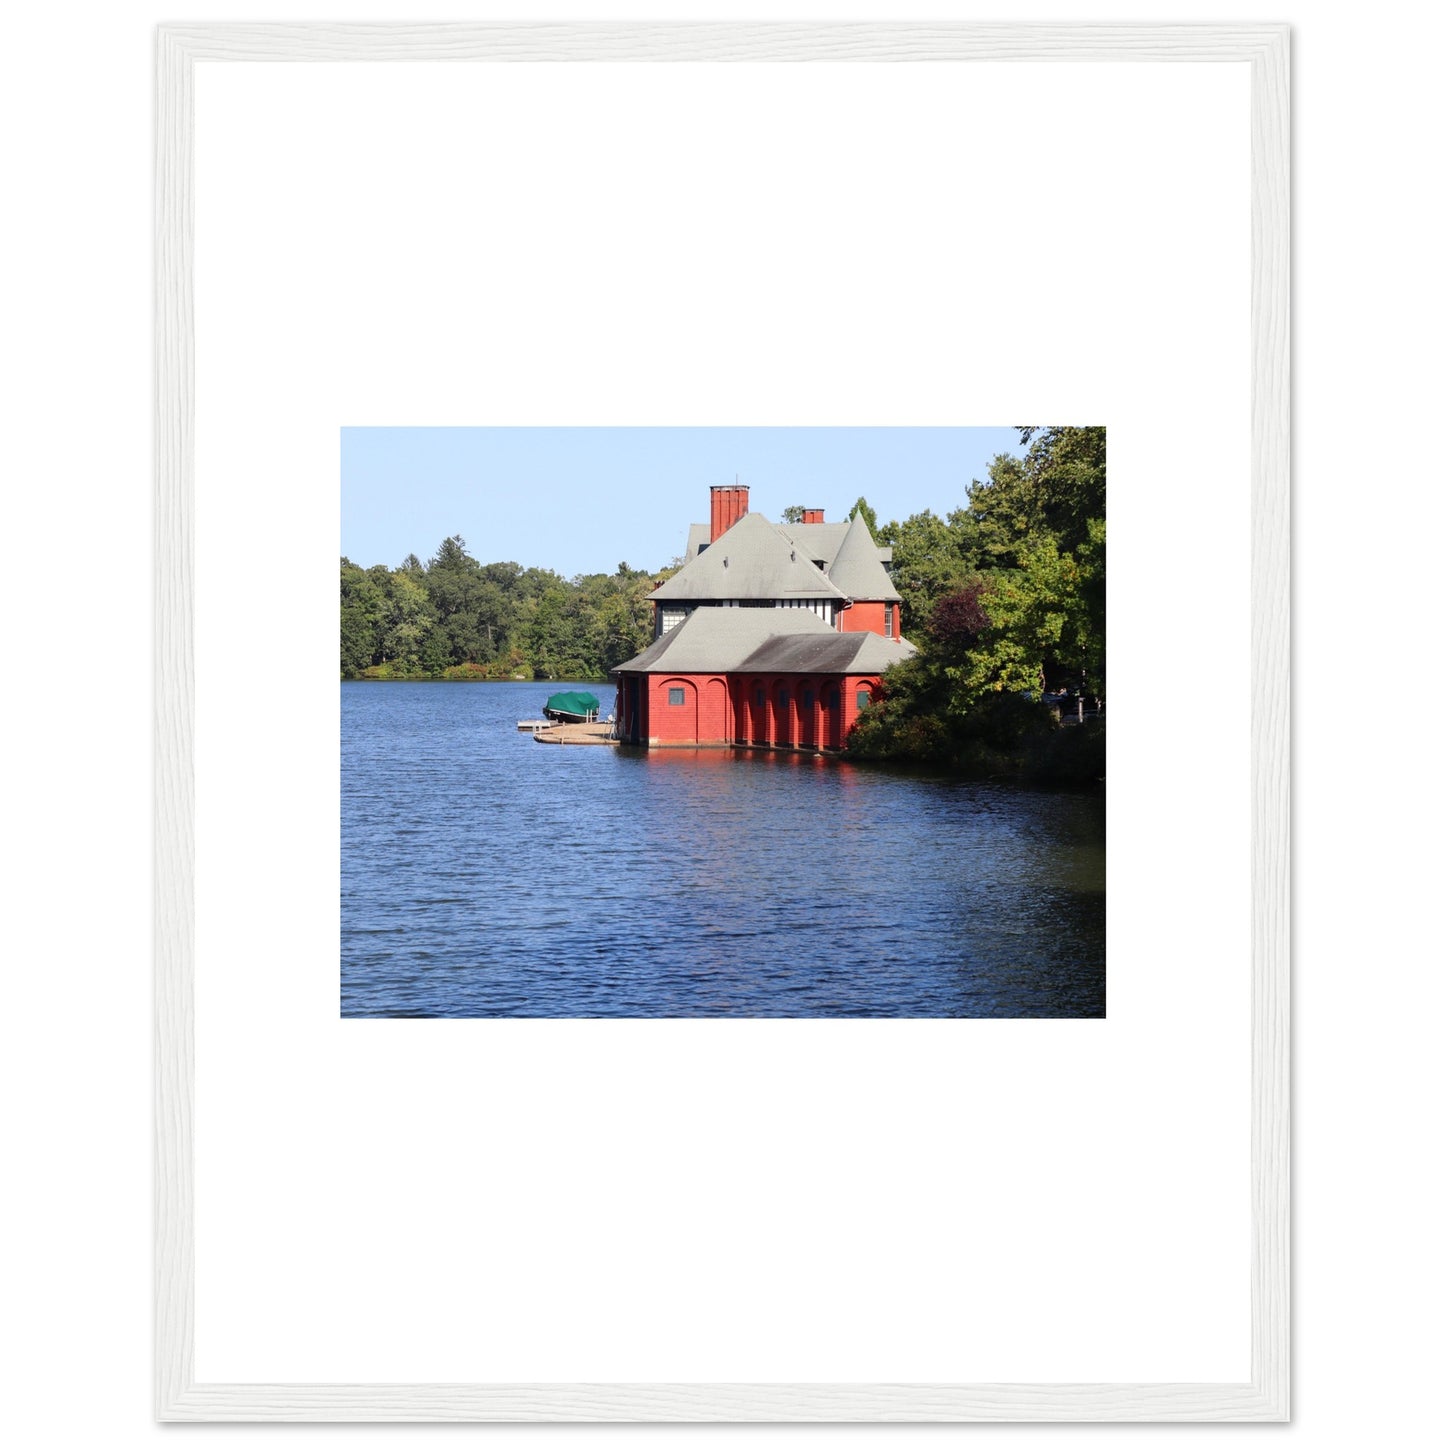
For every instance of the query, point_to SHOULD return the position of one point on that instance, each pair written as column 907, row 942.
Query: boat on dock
column 572, row 707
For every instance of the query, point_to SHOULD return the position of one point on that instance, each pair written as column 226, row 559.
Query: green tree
column 1089, row 637
column 367, row 615
column 410, row 619
column 1034, row 618
column 454, row 585
column 452, row 556
column 363, row 610
column 550, row 634
column 1056, row 487
column 622, row 619
column 931, row 558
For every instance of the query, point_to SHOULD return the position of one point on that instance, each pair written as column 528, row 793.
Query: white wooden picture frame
column 1264, row 1396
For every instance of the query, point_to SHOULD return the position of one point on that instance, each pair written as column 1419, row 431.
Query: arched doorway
column 832, row 715
column 631, row 709
column 715, row 718
column 807, row 712
column 784, row 731
column 757, row 690
column 675, row 711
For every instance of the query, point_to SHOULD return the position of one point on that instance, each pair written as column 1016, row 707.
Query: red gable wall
column 869, row 617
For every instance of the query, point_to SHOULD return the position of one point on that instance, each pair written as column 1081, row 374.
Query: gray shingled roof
column 789, row 535
column 765, row 639
column 879, row 653
column 697, row 538
column 856, row 569
column 838, row 652
column 750, row 560
column 822, row 539
column 717, row 639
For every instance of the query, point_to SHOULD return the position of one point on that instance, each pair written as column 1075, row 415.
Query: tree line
column 456, row 617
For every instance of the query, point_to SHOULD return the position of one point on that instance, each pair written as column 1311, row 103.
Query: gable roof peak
column 858, row 570
column 752, row 560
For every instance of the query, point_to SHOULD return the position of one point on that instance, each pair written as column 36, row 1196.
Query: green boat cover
column 580, row 703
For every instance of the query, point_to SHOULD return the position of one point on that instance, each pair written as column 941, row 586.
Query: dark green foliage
column 931, row 557
column 1056, row 489
column 456, row 618
column 915, row 722
column 1072, row 755
column 1003, row 598
column 1007, row 735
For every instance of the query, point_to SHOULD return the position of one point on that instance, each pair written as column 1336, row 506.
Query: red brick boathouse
column 770, row 635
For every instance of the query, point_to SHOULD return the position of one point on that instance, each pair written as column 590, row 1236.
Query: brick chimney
column 812, row 514
column 728, row 504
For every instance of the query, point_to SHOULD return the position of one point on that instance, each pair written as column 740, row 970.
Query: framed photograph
column 706, row 960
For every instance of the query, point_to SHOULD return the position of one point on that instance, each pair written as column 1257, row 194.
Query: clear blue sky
column 583, row 499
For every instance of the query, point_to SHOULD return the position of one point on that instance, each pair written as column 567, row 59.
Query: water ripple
column 483, row 875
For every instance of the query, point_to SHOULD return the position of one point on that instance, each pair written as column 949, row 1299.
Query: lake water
column 484, row 874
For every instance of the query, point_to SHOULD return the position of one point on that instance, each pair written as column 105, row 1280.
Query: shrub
column 1074, row 755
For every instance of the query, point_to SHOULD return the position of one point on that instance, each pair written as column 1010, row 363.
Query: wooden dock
column 591, row 734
